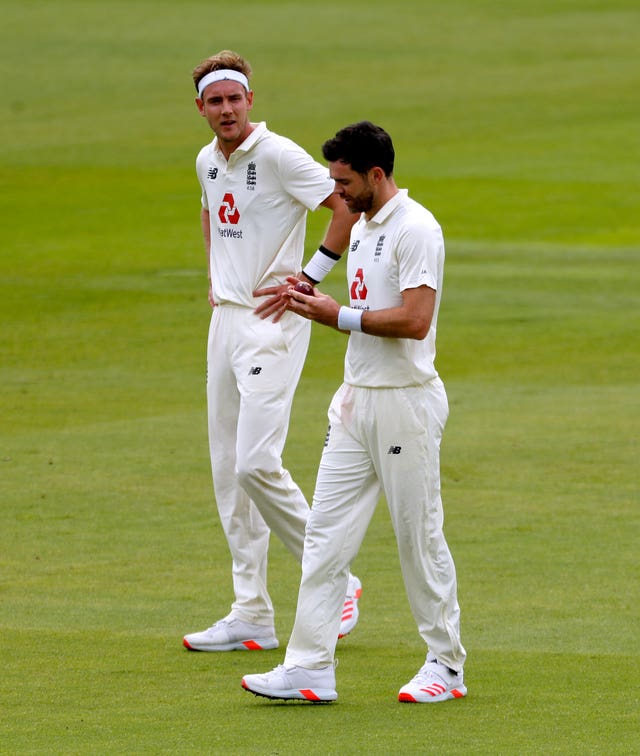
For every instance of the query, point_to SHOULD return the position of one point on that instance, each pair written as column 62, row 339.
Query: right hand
column 317, row 306
column 275, row 305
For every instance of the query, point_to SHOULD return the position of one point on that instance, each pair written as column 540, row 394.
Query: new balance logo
column 394, row 450
column 255, row 370
column 212, row 173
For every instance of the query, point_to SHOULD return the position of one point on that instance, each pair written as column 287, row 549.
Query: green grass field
column 517, row 125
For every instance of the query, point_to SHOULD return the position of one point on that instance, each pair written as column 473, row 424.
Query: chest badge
column 251, row 177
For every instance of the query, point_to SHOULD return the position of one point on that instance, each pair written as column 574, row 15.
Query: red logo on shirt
column 358, row 288
column 228, row 212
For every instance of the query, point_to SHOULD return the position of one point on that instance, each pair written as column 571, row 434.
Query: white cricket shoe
column 294, row 683
column 230, row 634
column 434, row 682
column 350, row 611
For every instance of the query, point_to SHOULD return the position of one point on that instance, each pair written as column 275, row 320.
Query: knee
column 245, row 474
column 252, row 475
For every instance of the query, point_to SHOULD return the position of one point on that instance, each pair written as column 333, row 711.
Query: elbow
column 418, row 329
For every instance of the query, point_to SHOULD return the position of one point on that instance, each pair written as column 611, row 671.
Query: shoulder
column 415, row 229
column 205, row 154
column 412, row 216
column 275, row 139
column 414, row 210
column 266, row 139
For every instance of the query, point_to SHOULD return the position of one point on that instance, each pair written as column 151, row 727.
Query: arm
column 206, row 235
column 335, row 239
column 411, row 320
column 342, row 220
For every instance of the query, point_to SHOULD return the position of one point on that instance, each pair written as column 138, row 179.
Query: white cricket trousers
column 380, row 440
column 253, row 368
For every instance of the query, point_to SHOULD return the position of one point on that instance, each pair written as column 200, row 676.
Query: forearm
column 410, row 320
column 394, row 323
column 338, row 232
column 336, row 238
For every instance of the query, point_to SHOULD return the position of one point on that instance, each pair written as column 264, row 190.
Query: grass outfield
column 516, row 123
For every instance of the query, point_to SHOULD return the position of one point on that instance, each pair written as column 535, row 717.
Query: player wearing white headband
column 223, row 74
column 257, row 187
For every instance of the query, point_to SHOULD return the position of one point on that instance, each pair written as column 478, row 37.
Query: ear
column 200, row 106
column 376, row 174
column 249, row 99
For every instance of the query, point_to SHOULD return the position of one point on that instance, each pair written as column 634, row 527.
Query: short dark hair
column 363, row 146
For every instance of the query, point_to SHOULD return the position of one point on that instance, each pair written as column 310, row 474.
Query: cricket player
column 257, row 187
column 385, row 426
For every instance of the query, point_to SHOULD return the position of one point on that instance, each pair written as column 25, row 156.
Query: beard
column 362, row 203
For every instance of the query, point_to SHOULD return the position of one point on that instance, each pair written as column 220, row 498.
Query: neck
column 227, row 148
column 386, row 191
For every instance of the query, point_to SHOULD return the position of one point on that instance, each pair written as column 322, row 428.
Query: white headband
column 221, row 75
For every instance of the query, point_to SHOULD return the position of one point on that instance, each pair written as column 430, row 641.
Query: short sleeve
column 303, row 177
column 419, row 250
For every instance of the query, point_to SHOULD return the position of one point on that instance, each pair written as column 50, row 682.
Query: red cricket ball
column 304, row 288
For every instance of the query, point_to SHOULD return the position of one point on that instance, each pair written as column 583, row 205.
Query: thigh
column 267, row 357
column 223, row 397
column 410, row 424
column 347, row 487
column 267, row 362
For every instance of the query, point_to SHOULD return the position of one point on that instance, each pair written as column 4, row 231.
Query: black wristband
column 328, row 252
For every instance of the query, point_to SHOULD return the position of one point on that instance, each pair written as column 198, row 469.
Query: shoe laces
column 280, row 669
column 431, row 672
column 280, row 672
column 221, row 623
column 283, row 669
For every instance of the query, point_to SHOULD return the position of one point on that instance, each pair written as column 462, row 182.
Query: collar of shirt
column 258, row 132
column 388, row 207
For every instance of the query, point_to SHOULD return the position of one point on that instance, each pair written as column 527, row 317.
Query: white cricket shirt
column 401, row 247
column 258, row 204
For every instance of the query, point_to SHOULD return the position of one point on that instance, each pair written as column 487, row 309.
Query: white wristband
column 320, row 264
column 350, row 319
